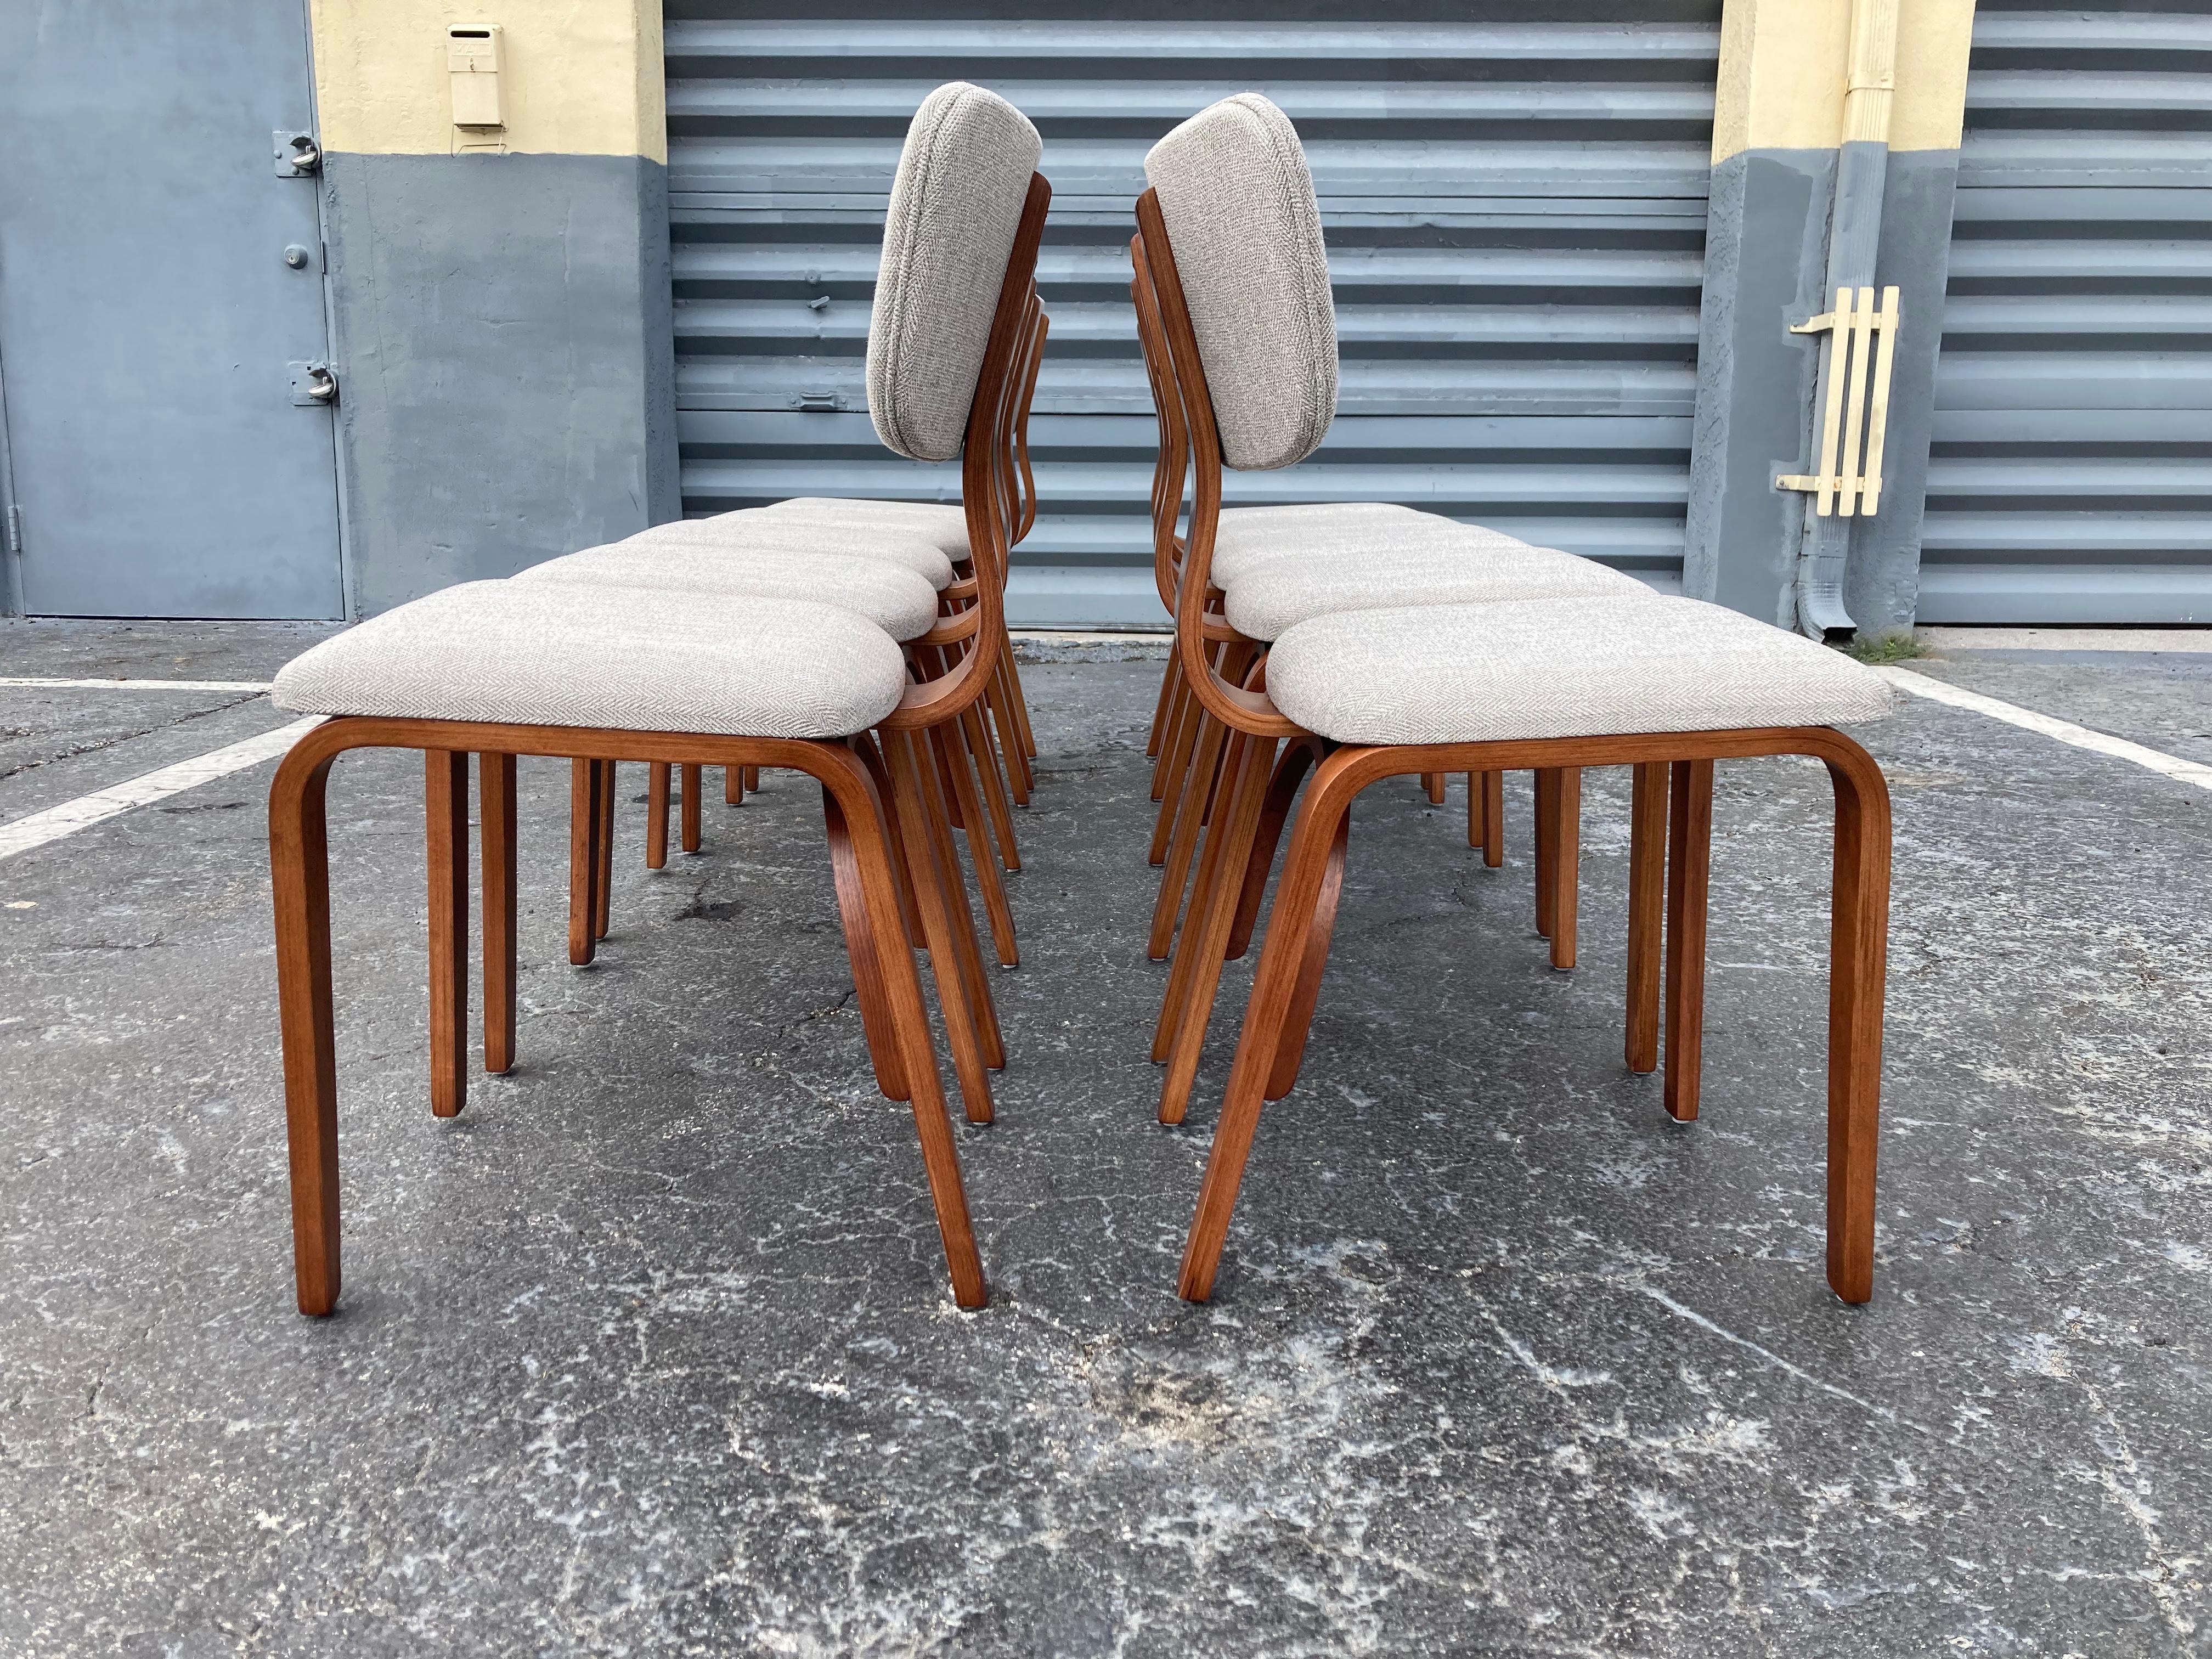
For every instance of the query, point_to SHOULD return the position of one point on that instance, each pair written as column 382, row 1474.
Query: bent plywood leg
column 1493, row 818
column 495, row 786
column 1193, row 802
column 1281, row 959
column 885, row 1048
column 984, row 755
column 752, row 778
column 695, row 789
column 1689, row 863
column 446, row 826
column 1566, row 862
column 300, row 883
column 1647, row 893
column 1299, row 755
column 583, row 860
column 1211, row 873
column 1021, row 702
column 656, row 815
column 1213, row 913
column 997, row 704
column 1157, row 734
column 1547, row 793
column 1188, row 1008
column 1175, row 760
column 1858, row 950
column 1477, row 836
column 734, row 784
column 937, row 885
column 871, row 757
column 1434, row 783
column 941, row 1159
column 1297, row 1018
column 603, row 877
column 955, row 766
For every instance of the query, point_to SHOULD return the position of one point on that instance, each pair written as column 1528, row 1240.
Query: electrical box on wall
column 474, row 65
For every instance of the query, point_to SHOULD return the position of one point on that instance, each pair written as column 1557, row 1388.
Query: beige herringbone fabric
column 1276, row 595
column 754, row 532
column 942, row 526
column 548, row 653
column 956, row 203
column 895, row 599
column 1357, row 542
column 1559, row 668
column 1246, row 535
column 1246, row 231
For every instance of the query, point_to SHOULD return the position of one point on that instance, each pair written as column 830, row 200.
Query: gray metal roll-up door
column 2070, row 479
column 1516, row 212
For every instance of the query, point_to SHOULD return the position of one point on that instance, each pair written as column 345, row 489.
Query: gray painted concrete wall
column 1766, row 261
column 1766, row 242
column 501, row 335
column 1883, row 584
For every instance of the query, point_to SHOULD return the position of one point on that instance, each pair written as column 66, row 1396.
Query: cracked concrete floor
column 650, row 1351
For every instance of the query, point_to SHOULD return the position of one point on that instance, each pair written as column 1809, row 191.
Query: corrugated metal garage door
column 2071, row 475
column 1516, row 212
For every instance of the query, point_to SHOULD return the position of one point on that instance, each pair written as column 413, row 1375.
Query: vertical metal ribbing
column 1515, row 201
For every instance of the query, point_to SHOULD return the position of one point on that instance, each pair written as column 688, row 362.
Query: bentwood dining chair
column 601, row 672
column 1666, row 686
column 909, row 587
column 1000, row 722
column 1288, row 565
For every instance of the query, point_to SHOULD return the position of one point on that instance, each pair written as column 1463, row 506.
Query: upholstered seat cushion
column 551, row 653
column 944, row 527
column 895, row 599
column 1559, row 668
column 956, row 206
column 1247, row 534
column 1234, row 190
column 1275, row 595
column 755, row 532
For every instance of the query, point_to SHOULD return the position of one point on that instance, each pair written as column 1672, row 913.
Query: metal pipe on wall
column 11, row 521
column 1854, row 243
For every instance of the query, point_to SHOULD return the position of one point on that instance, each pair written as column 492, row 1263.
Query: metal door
column 2071, row 478
column 1514, row 197
column 160, row 311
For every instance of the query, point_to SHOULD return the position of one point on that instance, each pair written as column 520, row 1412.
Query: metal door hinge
column 1857, row 405
column 15, row 530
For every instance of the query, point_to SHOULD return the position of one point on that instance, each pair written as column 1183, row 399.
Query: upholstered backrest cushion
column 1246, row 231
column 956, row 204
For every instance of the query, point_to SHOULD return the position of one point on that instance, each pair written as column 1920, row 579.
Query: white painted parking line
column 71, row 815
column 1935, row 691
column 138, row 685
column 2196, row 641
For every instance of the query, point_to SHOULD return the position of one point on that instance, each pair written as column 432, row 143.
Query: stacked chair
column 820, row 643
column 1381, row 646
column 1276, row 567
column 1002, row 763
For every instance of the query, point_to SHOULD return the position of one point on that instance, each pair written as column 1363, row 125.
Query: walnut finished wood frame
column 1196, row 754
column 864, row 839
column 1279, row 1012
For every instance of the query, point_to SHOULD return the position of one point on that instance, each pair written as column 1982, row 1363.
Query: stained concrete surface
column 650, row 1350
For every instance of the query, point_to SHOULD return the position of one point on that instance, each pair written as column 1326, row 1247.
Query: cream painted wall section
column 582, row 78
column 1933, row 40
column 1783, row 65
